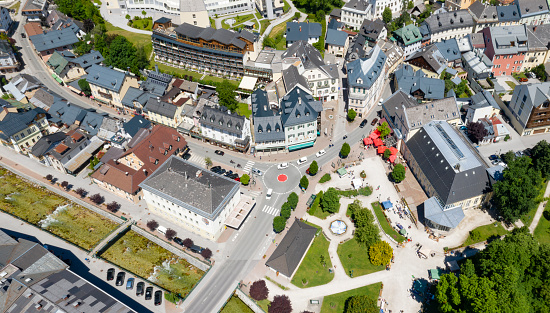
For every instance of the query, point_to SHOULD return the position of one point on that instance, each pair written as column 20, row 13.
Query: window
column 194, row 16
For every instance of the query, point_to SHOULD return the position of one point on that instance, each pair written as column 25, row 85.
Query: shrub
column 386, row 154
column 286, row 211
column 313, row 168
column 206, row 253
column 325, row 178
column 259, row 290
column 279, row 224
column 293, row 200
column 345, row 150
column 49, row 177
column 380, row 253
column 170, row 234
column 97, row 198
column 170, row 297
column 398, row 173
column 330, row 202
column 361, row 304
column 64, row 184
column 280, row 304
column 351, row 115
column 81, row 192
column 187, row 242
column 152, row 225
column 304, row 182
column 245, row 179
column 113, row 206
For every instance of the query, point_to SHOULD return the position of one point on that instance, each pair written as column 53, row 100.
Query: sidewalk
column 540, row 210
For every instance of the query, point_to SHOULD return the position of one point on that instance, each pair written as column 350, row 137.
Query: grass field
column 278, row 31
column 141, row 256
column 265, row 24
column 384, row 223
column 485, row 232
column 312, row 270
column 15, row 7
column 264, row 304
column 542, row 232
column 335, row 303
column 80, row 226
column 244, row 110
column 236, row 305
column 139, row 40
column 212, row 23
column 527, row 218
column 144, row 23
column 359, row 261
column 196, row 76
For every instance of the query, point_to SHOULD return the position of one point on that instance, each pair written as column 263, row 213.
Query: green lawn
column 238, row 20
column 286, row 6
column 335, row 303
column 212, row 23
column 144, row 23
column 196, row 76
column 485, row 232
column 15, row 7
column 244, row 110
column 511, row 84
column 139, row 40
column 236, row 305
column 316, row 210
column 359, row 261
column 278, row 33
column 264, row 304
column 258, row 15
column 384, row 223
column 265, row 24
column 542, row 232
column 311, row 270
column 527, row 218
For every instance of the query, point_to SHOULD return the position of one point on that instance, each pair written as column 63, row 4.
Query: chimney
column 126, row 173
column 300, row 28
column 156, row 68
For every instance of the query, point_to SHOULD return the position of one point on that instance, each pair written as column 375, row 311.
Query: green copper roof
column 57, row 62
column 408, row 34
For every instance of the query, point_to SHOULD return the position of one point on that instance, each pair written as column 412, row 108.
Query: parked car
column 148, row 293
column 320, row 153
column 196, row 249
column 227, row 174
column 215, row 168
column 139, row 288
column 219, row 152
column 186, row 156
column 269, row 193
column 120, row 278
column 496, row 161
column 130, row 284
column 282, row 166
column 111, row 274
column 158, row 297
column 234, row 176
column 178, row 240
column 363, row 123
column 221, row 171
column 237, row 178
column 302, row 161
column 257, row 172
column 519, row 154
column 463, row 128
column 493, row 157
column 345, row 137
column 523, row 79
column 374, row 122
column 528, row 152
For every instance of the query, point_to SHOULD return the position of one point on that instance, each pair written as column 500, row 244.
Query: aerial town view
column 274, row 156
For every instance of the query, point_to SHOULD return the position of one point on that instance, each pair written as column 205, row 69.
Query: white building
column 365, row 81
column 190, row 11
column 354, row 12
column 222, row 7
column 270, row 8
column 191, row 196
column 221, row 127
column 448, row 25
column 378, row 7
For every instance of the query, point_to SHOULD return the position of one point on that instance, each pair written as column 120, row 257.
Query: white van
column 162, row 230
column 302, row 161
column 269, row 193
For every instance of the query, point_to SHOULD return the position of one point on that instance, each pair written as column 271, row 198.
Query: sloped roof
column 409, row 34
column 336, row 37
column 44, row 144
column 58, row 62
column 89, row 59
column 265, row 118
column 105, row 77
column 221, row 118
column 292, row 78
column 302, row 31
column 289, row 253
column 483, row 13
column 449, row 49
column 359, row 5
column 299, row 107
column 531, row 7
column 136, row 123
column 508, row 13
column 160, row 107
column 434, row 212
column 449, row 20
column 309, row 55
column 221, row 35
column 54, row 39
column 364, row 72
column 433, row 57
column 371, row 30
column 16, row 122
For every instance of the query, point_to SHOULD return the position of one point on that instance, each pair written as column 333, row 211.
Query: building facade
column 8, row 61
column 354, row 12
column 408, row 38
column 110, row 85
column 5, row 20
column 506, row 47
column 455, row 24
column 21, row 130
column 224, row 128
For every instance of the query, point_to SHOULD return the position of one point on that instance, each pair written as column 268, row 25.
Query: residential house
column 378, row 7
column 354, row 12
column 323, row 79
column 54, row 16
column 430, row 60
column 192, row 88
column 529, row 108
column 449, row 171
column 110, row 85
column 70, row 69
column 484, row 15
column 417, row 10
column 69, row 23
column 335, row 24
column 408, row 38
column 157, row 83
column 477, row 64
column 269, row 134
column 44, row 145
column 394, row 54
column 336, row 42
column 55, row 40
column 296, row 31
column 109, row 128
column 74, row 152
column 365, row 81
column 44, row 98
column 450, row 51
column 135, row 100
column 508, row 15
column 416, row 84
column 483, row 105
column 357, row 49
column 65, row 114
column 373, row 31
column 33, row 10
column 35, row 280
column 426, row 34
column 33, row 28
column 8, row 61
column 453, row 5
column 533, row 12
column 147, row 151
column 405, row 114
column 21, row 130
column 221, row 127
column 454, row 24
column 537, row 51
column 163, row 112
column 506, row 47
column 20, row 85
column 5, row 20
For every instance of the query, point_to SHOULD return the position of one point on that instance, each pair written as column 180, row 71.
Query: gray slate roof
column 176, row 180
column 44, row 98
column 161, row 107
column 531, row 7
column 371, row 29
column 434, row 212
column 54, row 39
column 432, row 56
column 89, row 59
column 302, row 31
column 136, row 123
column 449, row 49
column 44, row 144
column 483, row 99
column 508, row 13
column 220, row 118
column 336, row 37
column 290, row 251
column 310, row 57
column 221, row 35
column 360, row 5
column 292, row 78
column 449, row 20
column 410, row 82
column 446, row 160
column 364, row 72
column 156, row 83
column 16, row 122
column 505, row 39
column 68, row 113
column 105, row 77
column 483, row 13
column 265, row 118
column 299, row 107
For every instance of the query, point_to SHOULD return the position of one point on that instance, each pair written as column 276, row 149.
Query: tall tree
column 304, row 182
column 280, row 304
column 384, row 130
column 330, row 202
column 85, row 87
column 398, row 173
column 259, row 290
column 541, row 158
column 351, row 115
column 386, row 15
column 345, row 150
column 380, row 253
column 279, row 224
column 313, row 168
column 292, row 200
column 226, row 95
column 477, row 131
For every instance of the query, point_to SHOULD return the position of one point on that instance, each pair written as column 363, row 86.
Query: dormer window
column 221, row 123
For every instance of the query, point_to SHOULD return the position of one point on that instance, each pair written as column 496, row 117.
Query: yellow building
column 21, row 130
column 166, row 113
column 110, row 85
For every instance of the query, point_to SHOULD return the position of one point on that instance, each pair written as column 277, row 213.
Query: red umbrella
column 393, row 151
column 374, row 135
column 393, row 157
column 367, row 141
column 377, row 142
column 381, row 149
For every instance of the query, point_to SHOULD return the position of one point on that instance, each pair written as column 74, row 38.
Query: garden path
column 540, row 210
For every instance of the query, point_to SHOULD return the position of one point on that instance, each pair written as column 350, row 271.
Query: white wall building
column 191, row 196
column 189, row 11
column 354, row 12
column 222, row 7
column 220, row 126
column 378, row 7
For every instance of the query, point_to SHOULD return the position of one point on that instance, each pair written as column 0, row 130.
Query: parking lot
column 149, row 295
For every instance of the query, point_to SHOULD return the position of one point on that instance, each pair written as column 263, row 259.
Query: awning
column 248, row 83
column 301, row 146
column 393, row 150
column 434, row 273
column 375, row 134
column 377, row 142
column 382, row 149
column 367, row 141
column 392, row 158
column 342, row 171
column 57, row 78
column 387, row 204
column 357, row 183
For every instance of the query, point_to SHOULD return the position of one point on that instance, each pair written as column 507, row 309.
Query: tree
column 313, row 168
column 245, row 179
column 320, row 16
column 97, row 198
column 386, row 154
column 286, row 211
column 88, row 25
column 410, row 5
column 345, row 150
column 171, row 297
column 541, row 158
column 49, row 177
column 540, row 72
column 280, row 304
column 386, row 15
column 226, row 95
column 206, row 253
column 121, row 53
column 508, row 157
column 361, row 304
column 144, row 13
column 330, row 202
column 170, row 234
column 279, row 224
column 351, row 115
column 81, row 192
column 293, row 200
column 208, row 162
column 368, row 235
column 113, row 206
column 128, row 17
column 516, row 193
column 152, row 225
column 354, row 207
column 380, row 253
column 304, row 182
column 187, row 242
column 259, row 290
column 384, row 130
column 85, row 87
column 477, row 131
column 64, row 184
column 398, row 173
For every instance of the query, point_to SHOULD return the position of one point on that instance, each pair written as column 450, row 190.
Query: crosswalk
column 197, row 159
column 255, row 194
column 270, row 210
column 248, row 166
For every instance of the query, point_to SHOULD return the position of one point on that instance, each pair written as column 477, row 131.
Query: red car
column 238, row 179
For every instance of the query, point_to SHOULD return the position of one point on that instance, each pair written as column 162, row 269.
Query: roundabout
column 282, row 178
column 282, row 181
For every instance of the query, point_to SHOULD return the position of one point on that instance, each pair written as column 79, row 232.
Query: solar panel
column 450, row 142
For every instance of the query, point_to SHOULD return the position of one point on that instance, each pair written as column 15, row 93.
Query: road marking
column 248, row 166
column 197, row 159
column 255, row 194
column 270, row 210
